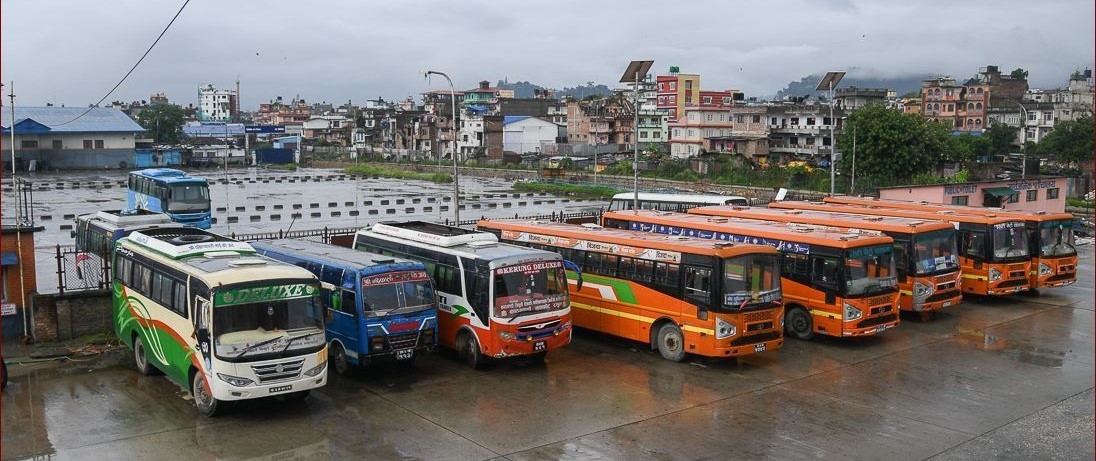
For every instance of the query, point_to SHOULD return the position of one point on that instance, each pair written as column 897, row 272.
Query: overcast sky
column 72, row 52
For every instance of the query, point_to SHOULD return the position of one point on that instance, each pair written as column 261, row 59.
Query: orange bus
column 834, row 283
column 1054, row 265
column 680, row 295
column 993, row 250
column 925, row 258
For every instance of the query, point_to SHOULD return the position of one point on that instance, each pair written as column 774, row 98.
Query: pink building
column 1036, row 194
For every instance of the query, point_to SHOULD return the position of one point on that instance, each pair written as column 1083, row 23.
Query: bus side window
column 448, row 279
column 477, row 294
column 973, row 244
column 698, row 286
column 901, row 261
column 666, row 276
column 349, row 302
column 825, row 272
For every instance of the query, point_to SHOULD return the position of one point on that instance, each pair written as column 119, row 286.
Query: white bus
column 673, row 202
column 96, row 232
column 494, row 300
column 217, row 318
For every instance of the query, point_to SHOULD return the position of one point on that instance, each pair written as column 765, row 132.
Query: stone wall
column 72, row 315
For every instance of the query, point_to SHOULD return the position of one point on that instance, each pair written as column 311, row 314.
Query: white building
column 471, row 133
column 521, row 134
column 67, row 137
column 216, row 105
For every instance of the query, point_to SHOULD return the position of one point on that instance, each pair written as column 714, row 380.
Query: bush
column 1079, row 202
column 369, row 170
column 574, row 190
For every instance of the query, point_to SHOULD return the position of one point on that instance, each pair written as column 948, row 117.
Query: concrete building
column 691, row 133
column 1044, row 109
column 59, row 137
column 964, row 107
column 1035, row 194
column 526, row 135
column 215, row 105
column 852, row 98
column 17, row 258
column 676, row 91
column 600, row 121
column 802, row 131
column 278, row 112
column 333, row 129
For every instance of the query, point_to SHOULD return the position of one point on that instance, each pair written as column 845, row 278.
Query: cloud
column 71, row 52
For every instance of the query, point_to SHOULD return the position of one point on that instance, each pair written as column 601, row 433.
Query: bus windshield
column 1056, row 239
column 397, row 293
column 870, row 270
column 1009, row 241
column 934, row 252
column 530, row 288
column 751, row 279
column 188, row 197
column 267, row 329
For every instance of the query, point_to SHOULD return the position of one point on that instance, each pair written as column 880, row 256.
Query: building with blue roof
column 59, row 137
column 528, row 135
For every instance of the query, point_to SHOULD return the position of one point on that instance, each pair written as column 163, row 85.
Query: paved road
column 1008, row 378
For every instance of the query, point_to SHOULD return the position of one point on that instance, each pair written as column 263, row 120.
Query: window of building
column 1052, row 193
column 757, row 119
column 977, row 122
column 711, row 117
column 28, row 144
column 688, row 99
column 673, row 85
column 657, row 134
column 706, row 100
column 1032, row 116
column 978, row 106
column 87, row 144
column 970, row 105
column 826, row 141
column 98, row 143
column 726, row 100
column 979, row 91
column 688, row 84
column 1033, row 195
column 661, row 86
column 810, row 121
column 772, row 121
column 959, row 200
column 57, row 144
column 642, row 134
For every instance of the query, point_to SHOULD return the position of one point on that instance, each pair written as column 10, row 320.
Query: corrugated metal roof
column 513, row 118
column 212, row 130
column 99, row 119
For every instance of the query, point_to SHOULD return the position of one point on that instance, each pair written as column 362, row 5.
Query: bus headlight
column 506, row 335
column 1045, row 269
column 316, row 369
column 234, row 380
column 920, row 290
column 724, row 329
column 994, row 275
column 852, row 313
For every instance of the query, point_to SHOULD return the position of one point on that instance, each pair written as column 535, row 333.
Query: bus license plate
column 946, row 304
column 404, row 354
column 760, row 347
column 277, row 389
column 539, row 346
column 880, row 328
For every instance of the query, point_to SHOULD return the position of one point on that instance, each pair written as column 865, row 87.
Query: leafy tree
column 891, row 146
column 566, row 163
column 1069, row 142
column 966, row 148
column 1001, row 138
column 164, row 122
column 1019, row 73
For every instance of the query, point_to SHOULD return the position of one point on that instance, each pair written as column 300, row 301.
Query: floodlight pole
column 833, row 143
column 635, row 143
column 452, row 144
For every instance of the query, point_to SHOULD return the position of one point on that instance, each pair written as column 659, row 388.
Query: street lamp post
column 452, row 143
column 632, row 74
column 829, row 81
column 1023, row 137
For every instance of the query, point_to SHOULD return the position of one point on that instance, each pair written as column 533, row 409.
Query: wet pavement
column 257, row 200
column 1008, row 378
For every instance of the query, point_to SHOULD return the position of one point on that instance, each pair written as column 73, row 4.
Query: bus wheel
column 140, row 357
column 798, row 323
column 470, row 350
column 338, row 359
column 671, row 342
column 203, row 397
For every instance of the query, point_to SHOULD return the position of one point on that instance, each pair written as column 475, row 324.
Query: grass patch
column 1079, row 202
column 369, row 170
column 573, row 190
column 282, row 166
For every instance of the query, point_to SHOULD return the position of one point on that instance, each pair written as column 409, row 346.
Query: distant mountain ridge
column 901, row 85
column 526, row 90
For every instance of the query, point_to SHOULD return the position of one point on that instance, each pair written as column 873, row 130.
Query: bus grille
column 879, row 300
column 278, row 371
column 1012, row 283
column 758, row 316
column 758, row 338
column 403, row 341
column 880, row 310
column 1060, row 277
column 871, row 322
column 941, row 295
column 945, row 286
column 759, row 326
column 533, row 327
column 1016, row 275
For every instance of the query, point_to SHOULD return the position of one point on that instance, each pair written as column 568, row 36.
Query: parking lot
column 1007, row 378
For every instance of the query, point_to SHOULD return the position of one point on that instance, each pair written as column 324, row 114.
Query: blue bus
column 166, row 190
column 378, row 308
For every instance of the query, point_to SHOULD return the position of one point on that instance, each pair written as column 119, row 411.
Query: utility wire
column 150, row 47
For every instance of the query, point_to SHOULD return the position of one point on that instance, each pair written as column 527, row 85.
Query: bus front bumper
column 531, row 344
column 225, row 391
column 871, row 326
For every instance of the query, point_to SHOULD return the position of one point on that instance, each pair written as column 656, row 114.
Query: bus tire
column 798, row 323
column 140, row 358
column 203, row 398
column 339, row 362
column 671, row 342
column 469, row 350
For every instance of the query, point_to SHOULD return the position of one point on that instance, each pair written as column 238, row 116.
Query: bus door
column 824, row 280
column 342, row 312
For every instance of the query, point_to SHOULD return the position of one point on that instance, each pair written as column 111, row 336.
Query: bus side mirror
column 327, row 286
column 578, row 284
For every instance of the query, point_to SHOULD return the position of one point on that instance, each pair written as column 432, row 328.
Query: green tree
column 566, row 163
column 1001, row 138
column 891, row 146
column 164, row 122
column 1019, row 73
column 1069, row 142
column 966, row 148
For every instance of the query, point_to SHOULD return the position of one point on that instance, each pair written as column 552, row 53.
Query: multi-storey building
column 1041, row 110
column 852, row 98
column 964, row 107
column 802, row 131
column 600, row 121
column 677, row 91
column 216, row 105
column 278, row 112
column 691, row 134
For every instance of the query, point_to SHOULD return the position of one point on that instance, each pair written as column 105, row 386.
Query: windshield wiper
column 253, row 346
column 290, row 341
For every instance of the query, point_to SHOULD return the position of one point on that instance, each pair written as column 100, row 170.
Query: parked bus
column 382, row 309
column 993, row 250
column 835, row 282
column 1054, row 265
column 672, row 202
column 165, row 190
column 679, row 295
column 925, row 258
column 96, row 233
column 494, row 300
column 218, row 318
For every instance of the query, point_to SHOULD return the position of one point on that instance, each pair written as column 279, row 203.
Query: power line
column 150, row 47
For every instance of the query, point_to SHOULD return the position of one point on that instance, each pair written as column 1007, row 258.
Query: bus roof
column 457, row 242
column 947, row 215
column 127, row 218
column 827, row 218
column 798, row 233
column 167, row 175
column 682, row 198
column 214, row 267
column 1037, row 216
column 347, row 258
column 628, row 237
